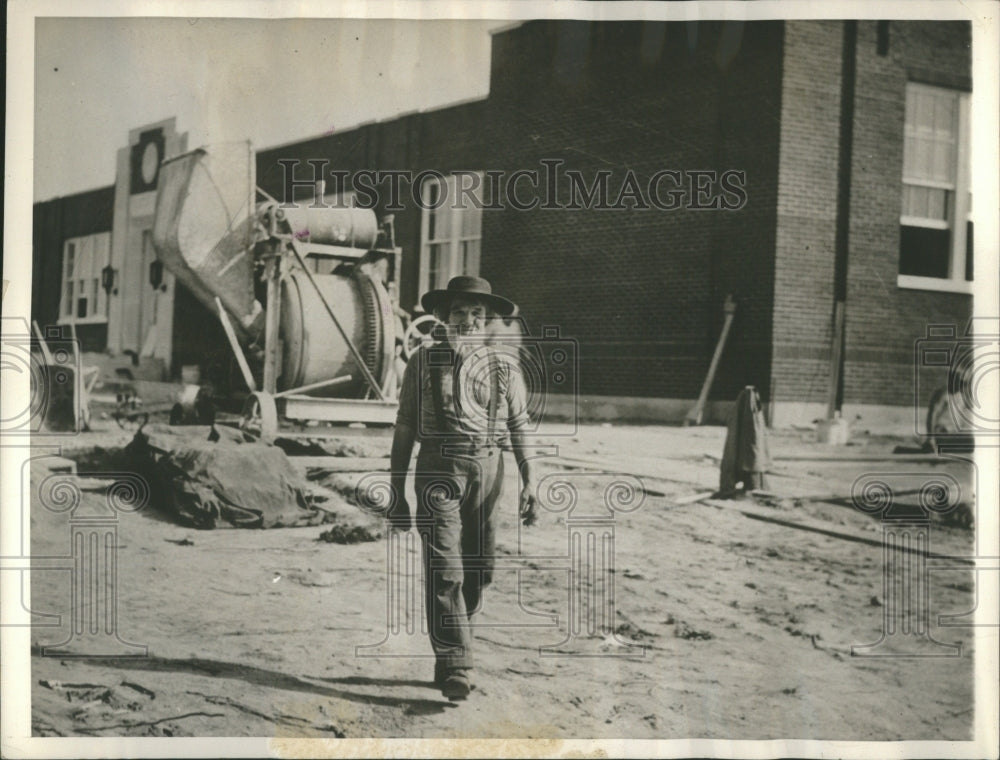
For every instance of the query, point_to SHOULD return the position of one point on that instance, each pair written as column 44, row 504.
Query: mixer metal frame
column 265, row 407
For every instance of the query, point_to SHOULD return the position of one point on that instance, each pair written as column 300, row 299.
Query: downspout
column 843, row 217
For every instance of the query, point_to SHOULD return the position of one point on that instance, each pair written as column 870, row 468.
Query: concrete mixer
column 302, row 292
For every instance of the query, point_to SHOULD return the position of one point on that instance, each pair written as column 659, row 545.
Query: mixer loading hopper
column 203, row 231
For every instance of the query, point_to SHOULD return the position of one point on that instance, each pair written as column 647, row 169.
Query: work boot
column 456, row 684
column 441, row 671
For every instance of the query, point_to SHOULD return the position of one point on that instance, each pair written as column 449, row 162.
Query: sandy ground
column 725, row 626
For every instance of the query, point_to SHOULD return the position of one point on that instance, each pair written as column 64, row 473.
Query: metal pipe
column 842, row 243
column 314, row 386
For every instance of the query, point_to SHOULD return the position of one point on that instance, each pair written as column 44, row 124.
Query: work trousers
column 457, row 496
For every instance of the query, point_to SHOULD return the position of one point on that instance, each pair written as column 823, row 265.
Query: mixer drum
column 312, row 347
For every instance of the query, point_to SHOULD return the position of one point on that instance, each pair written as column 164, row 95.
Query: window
column 83, row 299
column 450, row 235
column 935, row 237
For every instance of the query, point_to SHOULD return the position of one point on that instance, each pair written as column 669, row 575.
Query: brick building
column 847, row 148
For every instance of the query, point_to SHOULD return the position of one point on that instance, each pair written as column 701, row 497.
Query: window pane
column 438, row 263
column 943, row 151
column 937, row 204
column 914, row 201
column 930, row 134
column 438, row 219
column 925, row 111
column 431, row 192
column 925, row 161
column 926, row 202
column 68, row 304
column 472, row 221
column 921, row 167
column 470, row 257
column 84, row 258
column 440, row 222
column 924, row 251
column 944, row 114
column 81, row 307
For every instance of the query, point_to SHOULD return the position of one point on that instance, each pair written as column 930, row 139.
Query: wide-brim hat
column 468, row 287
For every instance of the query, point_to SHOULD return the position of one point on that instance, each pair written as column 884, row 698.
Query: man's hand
column 399, row 516
column 402, row 447
column 528, row 508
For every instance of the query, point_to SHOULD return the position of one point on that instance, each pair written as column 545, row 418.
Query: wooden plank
column 149, row 344
column 911, row 458
column 341, row 464
column 685, row 473
column 768, row 515
column 697, row 411
column 340, row 433
column 234, row 344
column 340, row 409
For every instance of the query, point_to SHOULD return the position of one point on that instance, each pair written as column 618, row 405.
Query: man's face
column 467, row 320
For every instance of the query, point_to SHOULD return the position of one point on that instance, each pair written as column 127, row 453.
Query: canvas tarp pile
column 211, row 483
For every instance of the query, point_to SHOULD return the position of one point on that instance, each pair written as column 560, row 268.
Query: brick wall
column 884, row 321
column 642, row 290
column 807, row 208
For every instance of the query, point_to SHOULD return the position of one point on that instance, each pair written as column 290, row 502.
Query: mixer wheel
column 259, row 420
column 420, row 332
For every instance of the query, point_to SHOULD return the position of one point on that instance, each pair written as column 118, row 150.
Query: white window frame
column 91, row 253
column 958, row 209
column 454, row 236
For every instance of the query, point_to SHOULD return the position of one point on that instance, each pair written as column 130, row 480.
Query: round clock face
column 150, row 162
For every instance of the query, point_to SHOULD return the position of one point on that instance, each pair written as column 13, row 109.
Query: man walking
column 459, row 398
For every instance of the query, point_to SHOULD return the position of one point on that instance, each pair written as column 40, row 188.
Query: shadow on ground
column 277, row 680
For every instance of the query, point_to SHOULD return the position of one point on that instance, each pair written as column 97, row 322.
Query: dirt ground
column 725, row 625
